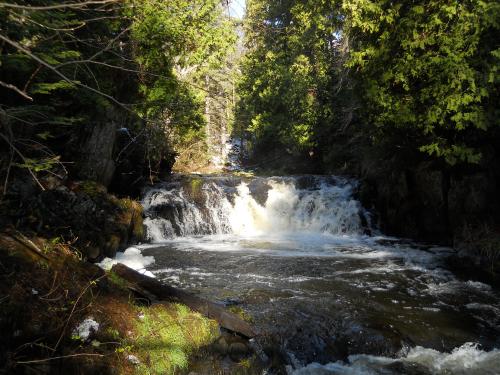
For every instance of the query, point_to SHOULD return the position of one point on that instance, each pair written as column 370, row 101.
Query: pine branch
column 64, row 77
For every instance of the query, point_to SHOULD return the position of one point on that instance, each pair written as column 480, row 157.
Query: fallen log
column 167, row 293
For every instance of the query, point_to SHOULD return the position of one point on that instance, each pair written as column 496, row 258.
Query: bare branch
column 62, row 357
column 14, row 148
column 47, row 65
column 59, row 6
column 111, row 42
column 28, row 82
column 16, row 89
column 7, row 174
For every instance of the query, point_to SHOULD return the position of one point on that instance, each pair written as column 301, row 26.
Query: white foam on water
column 216, row 209
column 328, row 209
column 324, row 220
column 483, row 306
column 133, row 258
column 358, row 247
column 479, row 285
column 158, row 229
column 454, row 286
column 468, row 359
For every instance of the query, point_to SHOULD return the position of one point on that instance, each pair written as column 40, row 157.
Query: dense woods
column 100, row 98
column 404, row 95
column 107, row 85
column 419, row 77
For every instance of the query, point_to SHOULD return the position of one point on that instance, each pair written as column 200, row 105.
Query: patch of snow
column 86, row 328
column 133, row 359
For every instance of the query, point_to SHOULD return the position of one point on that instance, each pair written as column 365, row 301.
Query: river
column 301, row 256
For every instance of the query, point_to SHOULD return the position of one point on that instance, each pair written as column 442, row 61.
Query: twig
column 59, row 6
column 74, row 307
column 19, row 237
column 132, row 140
column 28, row 82
column 7, row 175
column 23, row 158
column 61, row 357
column 65, row 78
column 111, row 42
column 16, row 89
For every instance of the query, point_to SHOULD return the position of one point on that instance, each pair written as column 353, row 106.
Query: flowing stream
column 301, row 256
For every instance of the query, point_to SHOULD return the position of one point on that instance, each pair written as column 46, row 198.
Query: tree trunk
column 163, row 292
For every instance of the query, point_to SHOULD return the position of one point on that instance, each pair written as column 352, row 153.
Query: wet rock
column 231, row 302
column 256, row 296
column 99, row 223
column 408, row 369
column 238, row 351
column 258, row 350
column 221, row 346
column 92, row 253
column 51, row 182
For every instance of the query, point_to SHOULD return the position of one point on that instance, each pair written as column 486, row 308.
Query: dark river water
column 301, row 258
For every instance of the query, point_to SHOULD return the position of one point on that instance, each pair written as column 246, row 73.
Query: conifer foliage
column 413, row 78
column 68, row 65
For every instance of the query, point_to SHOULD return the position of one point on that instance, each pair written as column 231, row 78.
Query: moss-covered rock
column 53, row 292
column 83, row 214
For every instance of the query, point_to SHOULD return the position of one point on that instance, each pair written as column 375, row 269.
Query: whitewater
column 304, row 258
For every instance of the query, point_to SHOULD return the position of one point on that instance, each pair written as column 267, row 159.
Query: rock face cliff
column 431, row 205
column 460, row 209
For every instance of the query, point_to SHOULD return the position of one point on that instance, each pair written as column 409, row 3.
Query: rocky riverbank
column 62, row 314
column 81, row 214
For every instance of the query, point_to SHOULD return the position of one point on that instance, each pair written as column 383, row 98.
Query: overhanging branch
column 59, row 6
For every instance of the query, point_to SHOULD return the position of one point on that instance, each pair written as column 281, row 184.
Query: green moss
column 51, row 245
column 243, row 174
column 241, row 313
column 132, row 216
column 113, row 243
column 113, row 333
column 117, row 280
column 138, row 226
column 128, row 204
column 194, row 189
column 165, row 337
column 246, row 363
column 92, row 188
column 196, row 183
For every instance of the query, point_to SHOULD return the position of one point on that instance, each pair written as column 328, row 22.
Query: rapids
column 302, row 257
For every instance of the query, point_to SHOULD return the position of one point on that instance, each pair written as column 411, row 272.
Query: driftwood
column 163, row 292
column 16, row 241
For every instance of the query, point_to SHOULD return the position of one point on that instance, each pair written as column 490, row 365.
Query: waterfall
column 253, row 207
